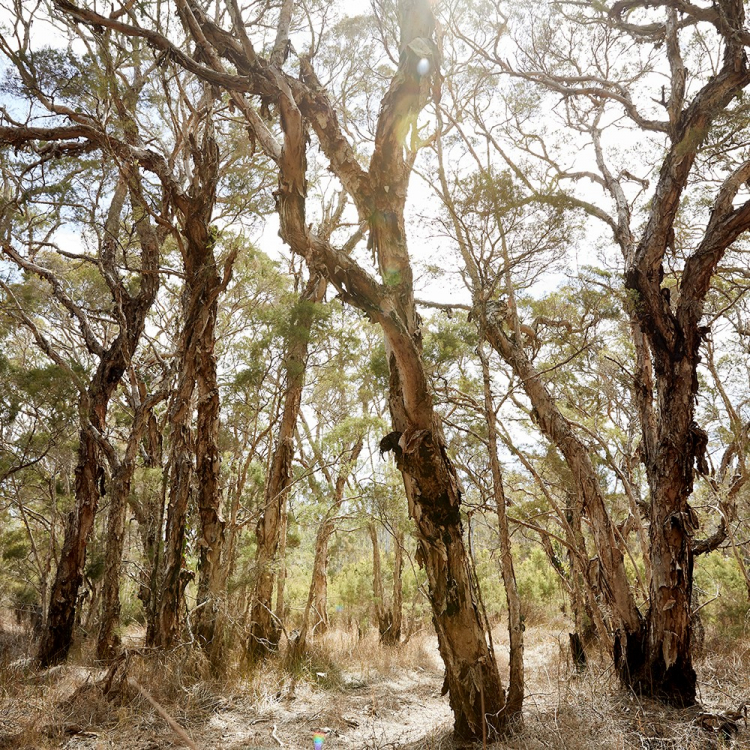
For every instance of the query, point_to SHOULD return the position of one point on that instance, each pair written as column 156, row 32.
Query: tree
column 379, row 195
column 668, row 272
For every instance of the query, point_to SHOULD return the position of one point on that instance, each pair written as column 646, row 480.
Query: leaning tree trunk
column 89, row 474
column 627, row 621
column 264, row 630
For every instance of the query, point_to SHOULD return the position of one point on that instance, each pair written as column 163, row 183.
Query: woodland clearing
column 357, row 692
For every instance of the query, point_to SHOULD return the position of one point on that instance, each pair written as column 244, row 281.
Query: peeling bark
column 89, row 474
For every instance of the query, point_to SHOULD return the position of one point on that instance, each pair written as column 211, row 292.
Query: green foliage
column 719, row 571
column 538, row 586
column 14, row 545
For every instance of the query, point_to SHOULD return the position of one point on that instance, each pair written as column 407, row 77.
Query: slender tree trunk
column 397, row 607
column 210, row 596
column 89, row 474
column 57, row 638
column 108, row 641
column 281, row 570
column 169, row 606
column 514, row 701
column 319, row 583
column 264, row 631
column 317, row 597
column 383, row 614
column 628, row 624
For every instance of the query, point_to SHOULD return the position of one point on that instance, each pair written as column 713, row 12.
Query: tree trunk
column 122, row 474
column 57, row 638
column 626, row 619
column 108, row 641
column 383, row 614
column 210, row 596
column 196, row 380
column 397, row 606
column 89, row 474
column 264, row 631
column 317, row 598
column 169, row 606
column 514, row 702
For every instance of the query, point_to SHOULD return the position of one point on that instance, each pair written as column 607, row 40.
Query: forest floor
column 357, row 693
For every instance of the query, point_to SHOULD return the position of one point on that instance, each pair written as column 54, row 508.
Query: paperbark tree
column 668, row 273
column 197, row 381
column 379, row 195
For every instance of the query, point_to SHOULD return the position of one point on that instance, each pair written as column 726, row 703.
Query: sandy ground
column 368, row 698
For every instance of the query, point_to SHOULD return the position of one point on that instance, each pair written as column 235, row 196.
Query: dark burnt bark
column 264, row 629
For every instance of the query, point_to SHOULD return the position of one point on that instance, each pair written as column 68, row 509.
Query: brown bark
column 210, row 595
column 113, row 361
column 383, row 614
column 317, row 598
column 197, row 377
column 514, row 702
column 677, row 445
column 397, row 597
column 388, row 617
column 264, row 630
column 108, row 641
column 122, row 474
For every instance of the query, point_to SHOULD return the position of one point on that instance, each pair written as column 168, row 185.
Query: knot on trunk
column 391, row 443
column 699, row 444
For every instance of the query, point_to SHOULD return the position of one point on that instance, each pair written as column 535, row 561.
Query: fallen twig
column 174, row 726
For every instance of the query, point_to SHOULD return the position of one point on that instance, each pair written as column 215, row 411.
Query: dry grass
column 363, row 695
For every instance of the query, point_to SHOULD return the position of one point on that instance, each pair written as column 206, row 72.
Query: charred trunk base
column 651, row 677
column 57, row 638
column 674, row 685
column 578, row 652
column 390, row 632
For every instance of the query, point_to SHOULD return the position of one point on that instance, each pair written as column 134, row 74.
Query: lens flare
column 423, row 66
column 318, row 740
